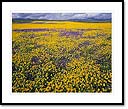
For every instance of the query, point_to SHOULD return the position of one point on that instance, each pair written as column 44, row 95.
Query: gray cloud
column 61, row 16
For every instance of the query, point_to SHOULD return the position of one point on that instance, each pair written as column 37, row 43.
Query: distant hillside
column 21, row 20
column 91, row 20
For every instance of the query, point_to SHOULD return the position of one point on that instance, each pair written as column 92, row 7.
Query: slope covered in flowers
column 61, row 57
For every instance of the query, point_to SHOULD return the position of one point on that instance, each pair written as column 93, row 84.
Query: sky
column 61, row 16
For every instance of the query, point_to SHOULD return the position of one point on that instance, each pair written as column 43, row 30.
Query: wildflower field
column 61, row 56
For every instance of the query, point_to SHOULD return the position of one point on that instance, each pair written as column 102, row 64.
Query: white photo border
column 44, row 7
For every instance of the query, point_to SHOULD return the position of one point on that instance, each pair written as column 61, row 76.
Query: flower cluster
column 68, row 57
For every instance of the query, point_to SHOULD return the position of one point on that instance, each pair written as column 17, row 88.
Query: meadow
column 62, row 56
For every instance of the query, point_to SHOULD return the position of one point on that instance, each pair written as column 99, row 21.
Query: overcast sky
column 61, row 16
